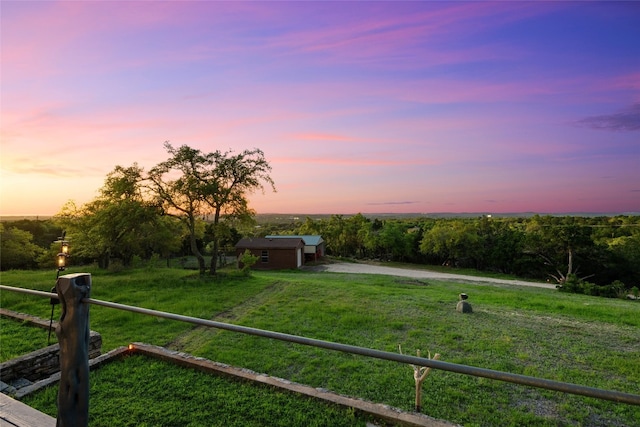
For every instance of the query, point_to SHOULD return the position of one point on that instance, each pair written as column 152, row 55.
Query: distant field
column 538, row 332
column 28, row 217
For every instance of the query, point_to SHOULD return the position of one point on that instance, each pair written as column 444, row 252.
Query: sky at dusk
column 371, row 107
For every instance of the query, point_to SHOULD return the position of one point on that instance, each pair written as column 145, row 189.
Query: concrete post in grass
column 73, row 336
column 463, row 305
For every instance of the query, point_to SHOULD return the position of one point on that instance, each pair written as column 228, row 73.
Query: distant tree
column 17, row 250
column 500, row 245
column 561, row 243
column 453, row 241
column 625, row 257
column 44, row 231
column 395, row 240
column 310, row 227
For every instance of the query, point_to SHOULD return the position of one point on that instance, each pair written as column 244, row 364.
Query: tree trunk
column 214, row 258
column 194, row 248
column 216, row 243
column 198, row 255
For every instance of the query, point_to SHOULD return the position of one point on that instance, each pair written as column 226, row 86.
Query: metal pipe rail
column 616, row 396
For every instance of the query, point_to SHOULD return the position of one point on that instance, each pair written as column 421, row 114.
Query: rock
column 463, row 307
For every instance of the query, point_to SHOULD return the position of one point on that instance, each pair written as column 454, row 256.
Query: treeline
column 122, row 236
column 28, row 244
column 593, row 255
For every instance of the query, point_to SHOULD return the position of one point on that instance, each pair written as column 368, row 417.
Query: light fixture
column 62, row 261
column 62, row 256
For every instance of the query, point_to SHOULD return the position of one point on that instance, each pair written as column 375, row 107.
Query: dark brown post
column 73, row 336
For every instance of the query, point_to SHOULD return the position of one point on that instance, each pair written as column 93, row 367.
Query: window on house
column 265, row 256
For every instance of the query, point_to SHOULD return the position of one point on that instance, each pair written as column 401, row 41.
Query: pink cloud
column 350, row 162
column 30, row 166
column 324, row 137
column 377, row 34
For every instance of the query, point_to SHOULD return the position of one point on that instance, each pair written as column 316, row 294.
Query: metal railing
column 616, row 396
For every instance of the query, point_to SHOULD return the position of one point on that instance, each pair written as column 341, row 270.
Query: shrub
column 572, row 284
column 247, row 260
column 136, row 261
column 115, row 266
column 154, row 261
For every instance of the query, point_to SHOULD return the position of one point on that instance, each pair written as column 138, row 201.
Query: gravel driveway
column 343, row 267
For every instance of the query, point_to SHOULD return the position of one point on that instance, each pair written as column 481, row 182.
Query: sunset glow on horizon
column 370, row 107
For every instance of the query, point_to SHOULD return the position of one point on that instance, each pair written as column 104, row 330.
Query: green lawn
column 18, row 338
column 574, row 338
column 151, row 392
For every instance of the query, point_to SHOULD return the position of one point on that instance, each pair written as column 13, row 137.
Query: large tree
column 120, row 223
column 225, row 188
column 193, row 185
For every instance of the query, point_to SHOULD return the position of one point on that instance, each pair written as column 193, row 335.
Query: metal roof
column 270, row 243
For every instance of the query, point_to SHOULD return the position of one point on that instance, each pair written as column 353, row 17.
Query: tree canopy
column 120, row 223
column 192, row 185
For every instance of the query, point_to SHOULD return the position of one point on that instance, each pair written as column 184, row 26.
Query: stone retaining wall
column 24, row 370
column 43, row 362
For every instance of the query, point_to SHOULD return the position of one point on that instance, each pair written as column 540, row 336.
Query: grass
column 175, row 290
column 17, row 339
column 539, row 332
column 157, row 393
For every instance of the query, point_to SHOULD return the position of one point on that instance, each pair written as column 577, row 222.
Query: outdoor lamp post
column 63, row 254
column 61, row 263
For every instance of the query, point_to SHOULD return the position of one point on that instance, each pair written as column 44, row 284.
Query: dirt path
column 344, row 267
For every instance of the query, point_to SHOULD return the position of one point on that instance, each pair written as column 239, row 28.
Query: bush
column 136, row 261
column 247, row 260
column 613, row 290
column 572, row 284
column 154, row 261
column 115, row 266
column 575, row 285
column 589, row 288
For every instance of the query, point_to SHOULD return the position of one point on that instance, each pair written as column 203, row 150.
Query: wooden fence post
column 73, row 336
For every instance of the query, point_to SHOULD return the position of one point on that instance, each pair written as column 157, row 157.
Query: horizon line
column 568, row 213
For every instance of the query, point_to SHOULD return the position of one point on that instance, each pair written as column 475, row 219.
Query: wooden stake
column 419, row 375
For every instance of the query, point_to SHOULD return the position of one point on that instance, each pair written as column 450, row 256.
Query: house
column 273, row 254
column 314, row 246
